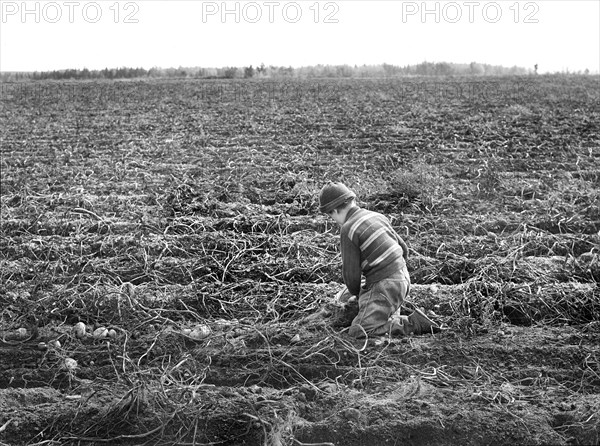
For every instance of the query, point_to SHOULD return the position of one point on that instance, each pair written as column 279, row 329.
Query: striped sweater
column 371, row 247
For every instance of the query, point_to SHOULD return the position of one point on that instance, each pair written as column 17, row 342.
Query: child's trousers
column 377, row 302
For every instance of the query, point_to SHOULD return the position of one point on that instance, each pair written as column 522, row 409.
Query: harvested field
column 150, row 208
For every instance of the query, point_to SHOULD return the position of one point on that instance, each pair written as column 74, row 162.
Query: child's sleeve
column 351, row 271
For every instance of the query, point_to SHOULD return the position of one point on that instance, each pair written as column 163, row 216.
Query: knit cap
column 333, row 195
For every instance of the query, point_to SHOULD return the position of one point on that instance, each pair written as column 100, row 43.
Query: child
column 371, row 248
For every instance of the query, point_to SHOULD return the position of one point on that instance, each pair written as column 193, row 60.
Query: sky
column 557, row 35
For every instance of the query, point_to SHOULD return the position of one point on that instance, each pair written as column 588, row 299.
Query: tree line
column 271, row 71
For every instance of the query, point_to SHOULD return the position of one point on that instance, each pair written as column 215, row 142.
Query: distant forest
column 262, row 71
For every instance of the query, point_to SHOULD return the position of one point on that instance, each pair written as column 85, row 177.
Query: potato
column 200, row 332
column 79, row 329
column 100, row 332
column 70, row 364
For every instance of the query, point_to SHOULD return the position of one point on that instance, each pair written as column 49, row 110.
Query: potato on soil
column 197, row 333
column 70, row 364
column 100, row 332
column 79, row 329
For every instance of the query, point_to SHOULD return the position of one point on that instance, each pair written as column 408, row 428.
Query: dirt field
column 152, row 208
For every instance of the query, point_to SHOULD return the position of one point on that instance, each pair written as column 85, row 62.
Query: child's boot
column 421, row 324
column 400, row 325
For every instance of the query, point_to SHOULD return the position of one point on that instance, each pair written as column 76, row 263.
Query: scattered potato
column 70, row 364
column 100, row 332
column 79, row 329
column 200, row 332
